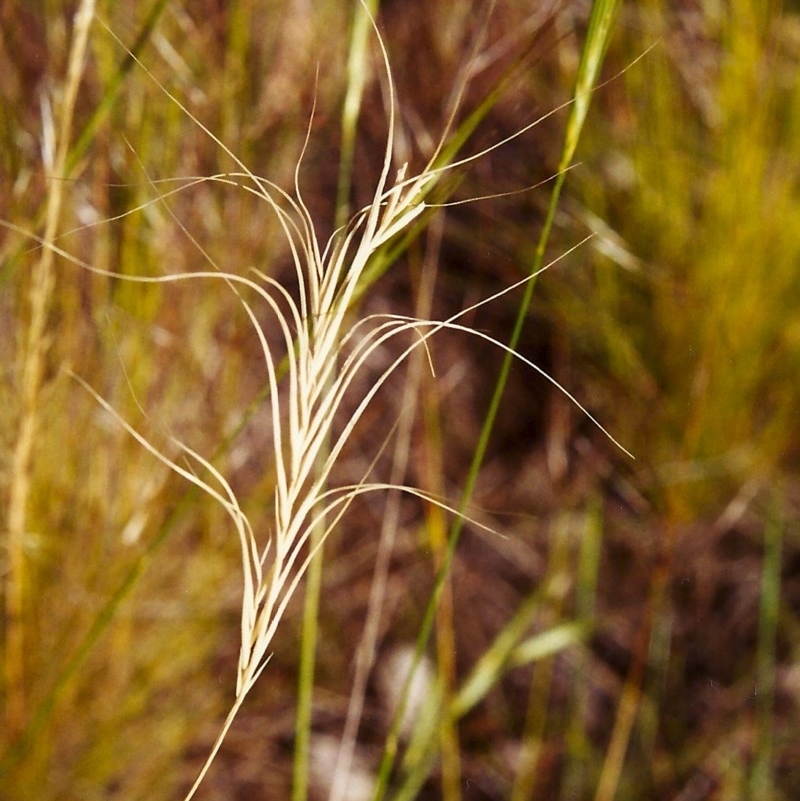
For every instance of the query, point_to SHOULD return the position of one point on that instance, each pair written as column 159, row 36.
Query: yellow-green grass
column 689, row 339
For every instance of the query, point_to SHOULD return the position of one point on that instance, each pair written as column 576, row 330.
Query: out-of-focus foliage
column 695, row 325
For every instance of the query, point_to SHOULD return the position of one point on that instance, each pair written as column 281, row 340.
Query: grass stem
column 32, row 356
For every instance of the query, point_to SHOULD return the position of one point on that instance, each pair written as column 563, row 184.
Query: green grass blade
column 603, row 12
column 760, row 784
column 305, row 685
column 577, row 739
column 112, row 90
column 356, row 79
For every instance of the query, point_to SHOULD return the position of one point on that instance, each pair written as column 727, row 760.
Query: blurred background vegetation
column 676, row 325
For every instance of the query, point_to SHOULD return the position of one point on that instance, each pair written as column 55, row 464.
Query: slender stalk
column 308, row 649
column 89, row 129
column 577, row 740
column 632, row 691
column 365, row 652
column 760, row 785
column 32, row 356
column 436, row 527
column 600, row 25
column 541, row 683
column 356, row 80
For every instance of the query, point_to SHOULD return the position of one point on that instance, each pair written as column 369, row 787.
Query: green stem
column 305, row 685
column 356, row 79
column 600, row 23
column 761, row 772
